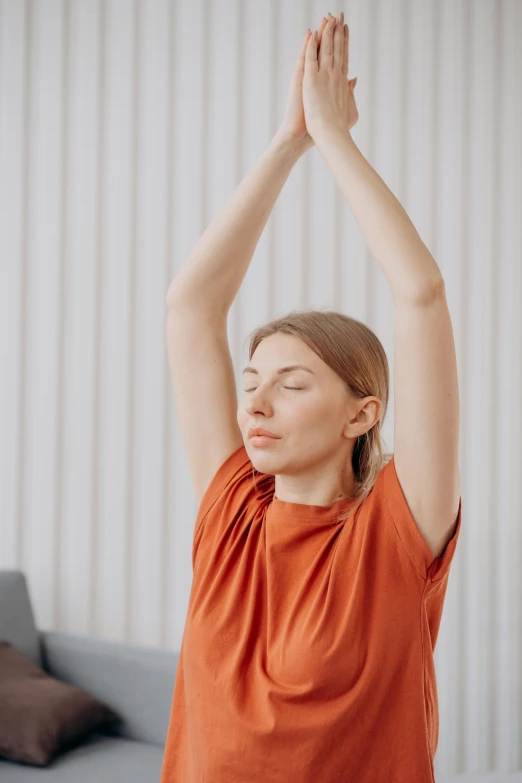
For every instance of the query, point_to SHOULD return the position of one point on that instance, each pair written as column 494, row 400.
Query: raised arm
column 214, row 270
column 198, row 302
column 331, row 112
column 425, row 383
column 203, row 290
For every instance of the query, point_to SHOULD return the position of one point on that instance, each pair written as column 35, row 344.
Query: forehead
column 284, row 352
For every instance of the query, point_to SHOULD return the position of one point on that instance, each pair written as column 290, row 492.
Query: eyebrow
column 282, row 370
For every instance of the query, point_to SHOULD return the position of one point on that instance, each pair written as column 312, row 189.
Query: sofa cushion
column 100, row 758
column 41, row 716
column 17, row 624
column 136, row 681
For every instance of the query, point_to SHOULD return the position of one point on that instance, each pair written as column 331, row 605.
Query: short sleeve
column 236, row 488
column 232, row 470
column 430, row 568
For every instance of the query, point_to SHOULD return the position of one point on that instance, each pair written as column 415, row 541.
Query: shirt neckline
column 283, row 510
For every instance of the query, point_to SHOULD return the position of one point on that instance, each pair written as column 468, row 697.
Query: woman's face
column 311, row 411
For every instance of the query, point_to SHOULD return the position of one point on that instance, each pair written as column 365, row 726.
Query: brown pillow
column 41, row 716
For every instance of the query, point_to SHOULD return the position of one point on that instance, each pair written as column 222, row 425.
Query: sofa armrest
column 135, row 681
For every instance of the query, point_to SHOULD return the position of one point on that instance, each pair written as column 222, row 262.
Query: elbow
column 423, row 294
column 433, row 292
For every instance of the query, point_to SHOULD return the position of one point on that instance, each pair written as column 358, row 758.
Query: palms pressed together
column 294, row 123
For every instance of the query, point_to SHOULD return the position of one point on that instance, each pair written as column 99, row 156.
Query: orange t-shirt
column 307, row 653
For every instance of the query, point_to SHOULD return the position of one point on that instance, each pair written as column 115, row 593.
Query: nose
column 256, row 401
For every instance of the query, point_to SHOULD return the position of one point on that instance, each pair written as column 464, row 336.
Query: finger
column 302, row 53
column 345, row 50
column 338, row 43
column 300, row 64
column 320, row 31
column 326, row 53
column 311, row 53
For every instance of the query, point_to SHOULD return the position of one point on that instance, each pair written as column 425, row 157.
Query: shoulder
column 235, row 486
column 392, row 528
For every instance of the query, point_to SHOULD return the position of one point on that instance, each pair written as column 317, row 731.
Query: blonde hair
column 355, row 353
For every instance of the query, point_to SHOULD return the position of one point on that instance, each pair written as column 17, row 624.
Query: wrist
column 290, row 144
column 327, row 131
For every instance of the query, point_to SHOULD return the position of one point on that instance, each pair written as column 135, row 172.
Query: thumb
column 300, row 64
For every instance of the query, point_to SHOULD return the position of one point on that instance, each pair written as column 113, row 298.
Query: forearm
column 214, row 270
column 393, row 240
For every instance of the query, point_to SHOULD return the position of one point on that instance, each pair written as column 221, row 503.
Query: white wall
column 124, row 127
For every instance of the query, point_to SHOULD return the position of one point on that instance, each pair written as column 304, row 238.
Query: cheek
column 310, row 423
column 308, row 408
column 242, row 418
column 319, row 421
column 305, row 408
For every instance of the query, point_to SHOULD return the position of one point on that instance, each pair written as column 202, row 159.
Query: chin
column 267, row 462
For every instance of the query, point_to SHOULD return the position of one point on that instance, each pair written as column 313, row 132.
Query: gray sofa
column 135, row 681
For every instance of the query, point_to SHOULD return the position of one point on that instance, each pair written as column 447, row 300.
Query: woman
column 319, row 566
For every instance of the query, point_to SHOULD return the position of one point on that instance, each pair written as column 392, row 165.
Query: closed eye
column 295, row 388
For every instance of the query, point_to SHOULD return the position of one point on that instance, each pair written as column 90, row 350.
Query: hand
column 294, row 125
column 328, row 95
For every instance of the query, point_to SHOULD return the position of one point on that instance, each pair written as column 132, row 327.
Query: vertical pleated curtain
column 124, row 127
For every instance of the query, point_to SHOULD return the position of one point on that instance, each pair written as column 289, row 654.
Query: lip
column 256, row 431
